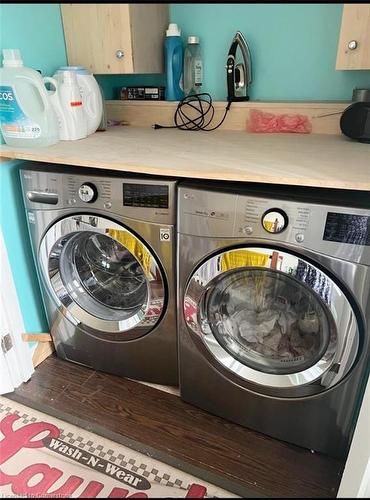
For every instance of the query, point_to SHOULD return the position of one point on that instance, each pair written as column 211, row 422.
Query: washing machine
column 273, row 323
column 104, row 249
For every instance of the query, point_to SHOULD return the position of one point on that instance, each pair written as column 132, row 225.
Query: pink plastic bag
column 271, row 123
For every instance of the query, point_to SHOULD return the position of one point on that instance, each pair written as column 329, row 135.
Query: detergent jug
column 90, row 95
column 174, row 60
column 27, row 117
column 68, row 105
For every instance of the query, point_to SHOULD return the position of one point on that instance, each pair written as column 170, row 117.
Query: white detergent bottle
column 90, row 94
column 62, row 117
column 27, row 118
column 72, row 107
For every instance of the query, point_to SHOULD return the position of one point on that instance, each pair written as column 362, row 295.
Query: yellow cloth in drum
column 268, row 225
column 134, row 246
column 243, row 258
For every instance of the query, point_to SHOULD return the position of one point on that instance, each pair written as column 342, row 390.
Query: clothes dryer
column 274, row 289
column 103, row 246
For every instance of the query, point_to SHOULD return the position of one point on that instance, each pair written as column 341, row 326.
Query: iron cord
column 202, row 104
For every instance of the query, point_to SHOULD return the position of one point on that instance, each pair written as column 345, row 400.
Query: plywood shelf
column 319, row 160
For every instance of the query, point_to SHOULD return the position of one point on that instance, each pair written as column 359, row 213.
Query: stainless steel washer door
column 272, row 318
column 102, row 277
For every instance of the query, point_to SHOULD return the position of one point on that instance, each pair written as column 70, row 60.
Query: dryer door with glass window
column 272, row 319
column 102, row 277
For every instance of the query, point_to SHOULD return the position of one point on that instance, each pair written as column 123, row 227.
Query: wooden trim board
column 146, row 113
column 43, row 350
column 36, row 337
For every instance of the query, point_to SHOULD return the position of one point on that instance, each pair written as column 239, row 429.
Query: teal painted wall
column 13, row 224
column 293, row 48
column 36, row 30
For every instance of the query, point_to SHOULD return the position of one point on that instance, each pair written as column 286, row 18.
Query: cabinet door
column 96, row 35
column 354, row 40
column 148, row 24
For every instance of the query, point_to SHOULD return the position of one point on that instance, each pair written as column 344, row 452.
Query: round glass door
column 272, row 318
column 268, row 321
column 102, row 277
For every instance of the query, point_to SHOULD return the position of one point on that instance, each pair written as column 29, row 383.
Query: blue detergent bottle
column 174, row 60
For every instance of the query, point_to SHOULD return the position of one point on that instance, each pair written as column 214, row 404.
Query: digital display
column 145, row 195
column 347, row 228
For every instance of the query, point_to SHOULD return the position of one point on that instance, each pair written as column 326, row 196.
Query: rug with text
column 41, row 456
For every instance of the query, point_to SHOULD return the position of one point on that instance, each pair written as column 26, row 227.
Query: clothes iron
column 238, row 69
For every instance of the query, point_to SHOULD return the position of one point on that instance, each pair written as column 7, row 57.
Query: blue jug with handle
column 174, row 60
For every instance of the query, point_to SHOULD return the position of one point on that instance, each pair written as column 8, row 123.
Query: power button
column 299, row 237
column 247, row 230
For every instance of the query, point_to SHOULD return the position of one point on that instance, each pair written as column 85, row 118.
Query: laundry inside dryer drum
column 103, row 277
column 268, row 320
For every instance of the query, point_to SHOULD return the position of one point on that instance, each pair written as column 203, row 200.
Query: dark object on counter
column 355, row 121
column 238, row 69
column 362, row 95
column 103, row 126
column 142, row 93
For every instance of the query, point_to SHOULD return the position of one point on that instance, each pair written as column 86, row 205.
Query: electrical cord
column 201, row 104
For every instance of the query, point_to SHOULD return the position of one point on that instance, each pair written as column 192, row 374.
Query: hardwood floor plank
column 161, row 424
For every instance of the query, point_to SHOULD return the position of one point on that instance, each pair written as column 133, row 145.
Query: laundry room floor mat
column 43, row 456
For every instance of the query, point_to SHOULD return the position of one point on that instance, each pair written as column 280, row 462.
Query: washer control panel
column 87, row 192
column 131, row 197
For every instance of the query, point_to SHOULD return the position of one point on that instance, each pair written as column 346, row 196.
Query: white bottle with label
column 90, row 94
column 27, row 118
column 69, row 107
column 193, row 67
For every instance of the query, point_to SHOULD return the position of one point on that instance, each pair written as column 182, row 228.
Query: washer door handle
column 203, row 306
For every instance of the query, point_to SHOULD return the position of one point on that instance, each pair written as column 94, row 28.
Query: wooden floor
column 161, row 425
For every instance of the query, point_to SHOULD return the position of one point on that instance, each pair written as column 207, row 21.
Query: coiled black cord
column 202, row 105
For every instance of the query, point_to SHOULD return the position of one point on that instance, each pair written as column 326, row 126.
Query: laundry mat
column 42, row 456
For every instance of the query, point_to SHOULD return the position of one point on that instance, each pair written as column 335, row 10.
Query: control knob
column 87, row 192
column 274, row 220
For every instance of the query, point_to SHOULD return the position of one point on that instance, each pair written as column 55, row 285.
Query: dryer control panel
column 275, row 217
column 342, row 232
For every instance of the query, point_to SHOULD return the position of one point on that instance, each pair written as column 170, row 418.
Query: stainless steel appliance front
column 275, row 311
column 107, row 275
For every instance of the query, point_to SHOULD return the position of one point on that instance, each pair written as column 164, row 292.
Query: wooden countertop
column 319, row 160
